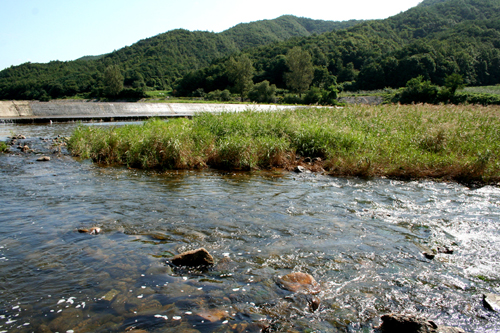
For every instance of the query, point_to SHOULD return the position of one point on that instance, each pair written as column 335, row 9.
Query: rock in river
column 195, row 258
column 43, row 159
column 92, row 231
column 300, row 169
column 299, row 282
column 492, row 302
column 397, row 323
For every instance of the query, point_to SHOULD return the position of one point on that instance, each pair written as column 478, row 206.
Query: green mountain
column 155, row 62
column 435, row 39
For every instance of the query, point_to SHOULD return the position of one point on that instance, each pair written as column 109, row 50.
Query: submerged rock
column 492, row 302
column 299, row 282
column 195, row 258
column 397, row 323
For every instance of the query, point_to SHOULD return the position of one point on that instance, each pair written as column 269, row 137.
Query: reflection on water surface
column 362, row 240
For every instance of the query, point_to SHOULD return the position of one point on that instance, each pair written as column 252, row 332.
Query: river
column 362, row 240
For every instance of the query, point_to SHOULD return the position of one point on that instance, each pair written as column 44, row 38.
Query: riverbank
column 451, row 143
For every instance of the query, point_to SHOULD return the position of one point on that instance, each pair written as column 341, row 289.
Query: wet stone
column 299, row 282
column 225, row 265
column 91, row 231
column 299, row 169
column 195, row 258
column 396, row 323
column 110, row 295
column 43, row 159
column 492, row 302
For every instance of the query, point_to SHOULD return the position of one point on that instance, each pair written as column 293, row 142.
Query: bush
column 292, row 99
column 218, row 95
column 419, row 91
column 263, row 93
column 313, row 96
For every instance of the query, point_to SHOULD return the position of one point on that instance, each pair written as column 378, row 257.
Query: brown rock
column 406, row 323
column 396, row 323
column 43, row 159
column 299, row 282
column 195, row 258
column 91, row 231
column 213, row 315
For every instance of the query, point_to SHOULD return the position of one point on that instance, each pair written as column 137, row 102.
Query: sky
column 40, row 31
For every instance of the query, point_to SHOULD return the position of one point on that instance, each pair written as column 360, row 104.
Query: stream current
column 362, row 240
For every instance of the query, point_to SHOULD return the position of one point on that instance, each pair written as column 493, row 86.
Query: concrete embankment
column 40, row 112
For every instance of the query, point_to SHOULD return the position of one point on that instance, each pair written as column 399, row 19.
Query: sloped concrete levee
column 25, row 111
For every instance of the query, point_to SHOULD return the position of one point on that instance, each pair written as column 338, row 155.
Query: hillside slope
column 154, row 62
column 434, row 39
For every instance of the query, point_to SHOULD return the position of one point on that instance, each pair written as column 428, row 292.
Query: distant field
column 495, row 90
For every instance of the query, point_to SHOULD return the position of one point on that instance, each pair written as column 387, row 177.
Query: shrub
column 313, row 96
column 292, row 99
column 419, row 91
column 262, row 92
column 218, row 95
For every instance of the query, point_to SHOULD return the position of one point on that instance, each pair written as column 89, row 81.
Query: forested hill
column 434, row 39
column 247, row 35
column 155, row 62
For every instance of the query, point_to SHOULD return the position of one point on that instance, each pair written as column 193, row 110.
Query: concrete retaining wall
column 24, row 111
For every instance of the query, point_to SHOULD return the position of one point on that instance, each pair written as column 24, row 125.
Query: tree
column 113, row 81
column 240, row 71
column 453, row 82
column 301, row 70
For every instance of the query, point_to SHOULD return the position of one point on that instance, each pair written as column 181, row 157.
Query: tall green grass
column 494, row 90
column 417, row 141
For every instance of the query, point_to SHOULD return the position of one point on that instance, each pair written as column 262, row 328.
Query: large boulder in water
column 195, row 258
column 397, row 323
column 299, row 282
column 304, row 286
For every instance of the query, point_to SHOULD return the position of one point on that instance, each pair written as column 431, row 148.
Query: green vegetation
column 435, row 40
column 155, row 63
column 3, row 146
column 301, row 73
column 458, row 143
column 492, row 90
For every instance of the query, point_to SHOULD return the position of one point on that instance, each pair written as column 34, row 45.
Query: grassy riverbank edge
column 444, row 142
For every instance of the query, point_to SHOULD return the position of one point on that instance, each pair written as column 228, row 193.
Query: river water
column 362, row 240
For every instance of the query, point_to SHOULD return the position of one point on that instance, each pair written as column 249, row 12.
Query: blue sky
column 45, row 30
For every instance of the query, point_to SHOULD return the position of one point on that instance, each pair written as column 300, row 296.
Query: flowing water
column 362, row 240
